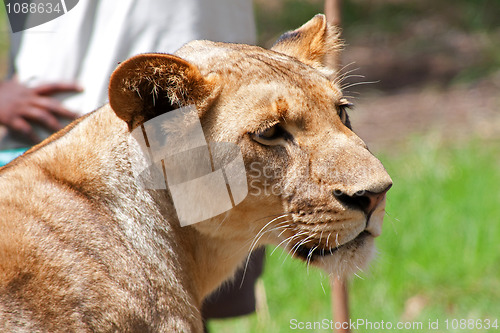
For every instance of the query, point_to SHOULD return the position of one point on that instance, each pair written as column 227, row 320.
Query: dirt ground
column 387, row 120
column 407, row 100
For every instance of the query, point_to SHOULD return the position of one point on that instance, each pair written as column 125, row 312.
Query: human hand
column 21, row 106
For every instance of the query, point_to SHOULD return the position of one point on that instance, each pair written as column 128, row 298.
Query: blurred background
column 426, row 88
column 424, row 76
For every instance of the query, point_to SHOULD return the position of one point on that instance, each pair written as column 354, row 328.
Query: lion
column 84, row 247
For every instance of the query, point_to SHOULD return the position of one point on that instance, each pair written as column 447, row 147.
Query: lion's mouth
column 309, row 254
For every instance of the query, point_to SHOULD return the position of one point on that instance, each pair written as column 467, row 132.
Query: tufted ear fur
column 148, row 85
column 312, row 43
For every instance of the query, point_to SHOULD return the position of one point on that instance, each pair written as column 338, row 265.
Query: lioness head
column 314, row 187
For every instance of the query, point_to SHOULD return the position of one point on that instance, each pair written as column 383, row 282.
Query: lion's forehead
column 263, row 86
column 255, row 65
column 287, row 103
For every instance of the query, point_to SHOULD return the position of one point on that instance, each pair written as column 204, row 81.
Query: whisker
column 302, row 242
column 392, row 219
column 289, row 252
column 256, row 240
column 341, row 74
column 298, row 245
column 351, row 97
column 222, row 222
column 352, row 76
column 302, row 233
column 358, row 84
column 322, row 287
column 344, row 76
column 281, row 233
column 309, row 256
column 352, row 92
column 327, row 241
column 286, row 239
column 261, row 231
column 345, row 66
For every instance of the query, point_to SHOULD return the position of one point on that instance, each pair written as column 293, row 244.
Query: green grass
column 440, row 245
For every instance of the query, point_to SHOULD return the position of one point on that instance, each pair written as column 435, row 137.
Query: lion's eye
column 342, row 114
column 270, row 136
column 342, row 111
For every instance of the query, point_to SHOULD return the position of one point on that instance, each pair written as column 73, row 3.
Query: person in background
column 60, row 70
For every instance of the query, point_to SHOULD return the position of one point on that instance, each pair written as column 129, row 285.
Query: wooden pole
column 340, row 305
column 333, row 12
column 339, row 293
column 334, row 17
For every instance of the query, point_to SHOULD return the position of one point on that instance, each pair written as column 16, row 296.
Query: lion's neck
column 184, row 259
column 203, row 262
column 216, row 261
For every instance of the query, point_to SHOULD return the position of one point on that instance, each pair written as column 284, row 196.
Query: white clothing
column 86, row 44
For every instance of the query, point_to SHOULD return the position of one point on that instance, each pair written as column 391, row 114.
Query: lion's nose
column 364, row 200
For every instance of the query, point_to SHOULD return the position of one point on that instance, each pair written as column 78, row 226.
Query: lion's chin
column 345, row 260
column 348, row 259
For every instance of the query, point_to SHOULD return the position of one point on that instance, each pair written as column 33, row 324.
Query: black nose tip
column 363, row 200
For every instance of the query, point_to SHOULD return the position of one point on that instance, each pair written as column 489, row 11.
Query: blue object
column 8, row 155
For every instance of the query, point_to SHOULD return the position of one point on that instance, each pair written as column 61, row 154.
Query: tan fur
column 84, row 248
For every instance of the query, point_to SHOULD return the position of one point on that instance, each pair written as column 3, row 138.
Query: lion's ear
column 312, row 43
column 148, row 85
